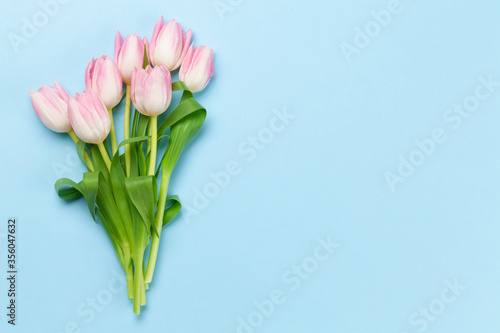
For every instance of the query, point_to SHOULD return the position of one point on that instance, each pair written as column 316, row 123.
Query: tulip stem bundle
column 121, row 191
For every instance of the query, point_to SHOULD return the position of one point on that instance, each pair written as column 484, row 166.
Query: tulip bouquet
column 121, row 190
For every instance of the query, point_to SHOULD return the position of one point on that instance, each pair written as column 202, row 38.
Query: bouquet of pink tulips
column 121, row 190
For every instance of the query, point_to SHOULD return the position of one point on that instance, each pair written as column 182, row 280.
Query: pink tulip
column 51, row 107
column 169, row 44
column 103, row 76
column 129, row 54
column 197, row 68
column 89, row 117
column 151, row 90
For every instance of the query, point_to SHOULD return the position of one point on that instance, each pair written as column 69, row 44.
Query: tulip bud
column 103, row 76
column 169, row 44
column 89, row 117
column 51, row 106
column 129, row 54
column 151, row 90
column 197, row 68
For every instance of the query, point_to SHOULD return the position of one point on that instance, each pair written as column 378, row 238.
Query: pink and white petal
column 156, row 32
column 118, row 44
column 155, row 97
column 185, row 46
column 186, row 64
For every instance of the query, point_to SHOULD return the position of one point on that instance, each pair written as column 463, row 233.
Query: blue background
column 323, row 175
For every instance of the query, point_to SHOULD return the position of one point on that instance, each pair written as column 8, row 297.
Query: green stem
column 128, row 269
column 143, row 288
column 154, row 143
column 153, row 253
column 146, row 285
column 114, row 145
column 138, row 283
column 104, row 155
column 130, row 281
column 127, row 130
column 75, row 138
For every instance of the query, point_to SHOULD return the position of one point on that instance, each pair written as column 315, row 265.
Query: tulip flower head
column 51, row 106
column 89, row 117
column 129, row 54
column 197, row 68
column 151, row 90
column 103, row 76
column 169, row 44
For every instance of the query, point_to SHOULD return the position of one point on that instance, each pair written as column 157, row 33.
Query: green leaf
column 186, row 95
column 179, row 85
column 184, row 122
column 105, row 198
column 119, row 191
column 132, row 140
column 142, row 193
column 67, row 193
column 90, row 185
column 163, row 136
column 184, row 109
column 180, row 134
column 172, row 210
column 134, row 124
column 114, row 241
column 142, row 124
column 141, row 161
column 134, row 167
column 106, row 203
